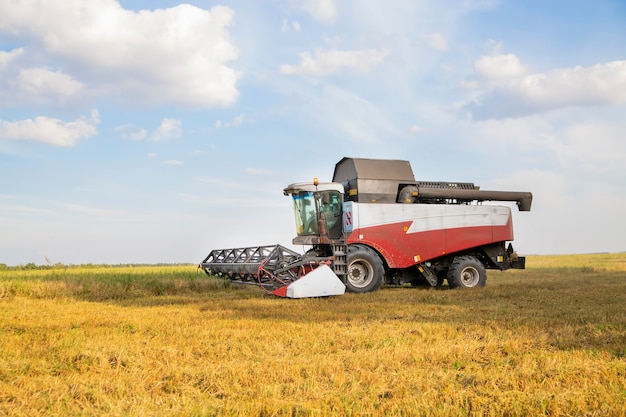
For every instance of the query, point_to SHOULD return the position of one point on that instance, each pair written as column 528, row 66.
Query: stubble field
column 167, row 340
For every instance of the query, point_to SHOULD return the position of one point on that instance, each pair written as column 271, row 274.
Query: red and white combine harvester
column 376, row 224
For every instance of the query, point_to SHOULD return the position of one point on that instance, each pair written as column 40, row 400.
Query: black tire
column 365, row 270
column 466, row 272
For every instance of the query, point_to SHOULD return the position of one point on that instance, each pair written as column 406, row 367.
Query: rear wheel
column 466, row 272
column 365, row 270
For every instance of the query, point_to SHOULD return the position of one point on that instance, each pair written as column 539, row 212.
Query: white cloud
column 286, row 26
column 592, row 147
column 415, row 129
column 586, row 145
column 600, row 84
column 258, row 171
column 49, row 130
column 436, row 41
column 7, row 57
column 510, row 93
column 168, row 129
column 494, row 47
column 126, row 54
column 236, row 122
column 42, row 80
column 327, row 62
column 173, row 162
column 343, row 114
column 499, row 67
column 322, row 10
column 131, row 132
column 33, row 84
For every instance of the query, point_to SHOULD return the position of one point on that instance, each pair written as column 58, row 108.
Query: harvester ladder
column 340, row 265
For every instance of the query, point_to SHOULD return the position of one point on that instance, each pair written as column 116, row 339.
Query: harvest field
column 167, row 340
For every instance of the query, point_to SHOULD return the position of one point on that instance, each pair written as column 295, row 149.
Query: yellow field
column 613, row 262
column 550, row 340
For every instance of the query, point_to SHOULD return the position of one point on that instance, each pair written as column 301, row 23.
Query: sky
column 156, row 131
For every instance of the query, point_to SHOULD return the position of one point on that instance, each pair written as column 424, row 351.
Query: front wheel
column 466, row 272
column 365, row 270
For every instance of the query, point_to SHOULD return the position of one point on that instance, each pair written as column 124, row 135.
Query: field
column 167, row 340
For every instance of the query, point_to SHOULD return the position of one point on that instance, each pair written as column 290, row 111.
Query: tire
column 466, row 272
column 365, row 270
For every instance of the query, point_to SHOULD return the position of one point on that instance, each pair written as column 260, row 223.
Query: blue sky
column 155, row 131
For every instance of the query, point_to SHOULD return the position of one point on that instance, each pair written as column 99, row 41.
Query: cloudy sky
column 155, row 131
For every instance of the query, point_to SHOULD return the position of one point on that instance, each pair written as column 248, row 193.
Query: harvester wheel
column 466, row 272
column 365, row 270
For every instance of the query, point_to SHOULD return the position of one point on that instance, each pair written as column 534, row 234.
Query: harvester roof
column 380, row 169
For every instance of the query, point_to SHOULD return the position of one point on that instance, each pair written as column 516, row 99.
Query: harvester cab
column 317, row 211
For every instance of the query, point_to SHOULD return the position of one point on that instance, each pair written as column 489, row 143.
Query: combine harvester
column 376, row 224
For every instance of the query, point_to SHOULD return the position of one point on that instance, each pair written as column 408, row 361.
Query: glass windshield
column 315, row 210
column 305, row 213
